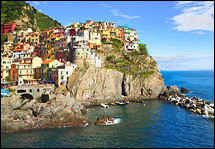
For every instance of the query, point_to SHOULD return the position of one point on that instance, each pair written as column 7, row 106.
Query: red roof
column 20, row 50
column 34, row 33
column 82, row 30
column 47, row 61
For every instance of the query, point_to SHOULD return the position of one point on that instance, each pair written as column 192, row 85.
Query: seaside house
column 6, row 63
column 105, row 25
column 94, row 36
column 45, row 65
column 104, row 34
column 8, row 46
column 20, row 54
column 126, row 31
column 34, row 39
column 2, row 73
column 26, row 69
column 38, row 73
column 132, row 46
column 84, row 33
column 60, row 74
column 133, row 35
column 44, row 35
column 80, row 52
column 14, row 73
column 74, row 25
column 112, row 33
column 9, row 27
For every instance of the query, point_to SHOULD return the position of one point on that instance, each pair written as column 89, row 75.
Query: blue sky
column 179, row 34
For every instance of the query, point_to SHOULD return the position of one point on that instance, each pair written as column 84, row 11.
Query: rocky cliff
column 102, row 83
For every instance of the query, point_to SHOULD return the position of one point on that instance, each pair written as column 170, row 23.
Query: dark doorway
column 27, row 96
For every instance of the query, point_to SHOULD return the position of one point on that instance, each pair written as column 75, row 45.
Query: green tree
column 18, row 28
column 143, row 49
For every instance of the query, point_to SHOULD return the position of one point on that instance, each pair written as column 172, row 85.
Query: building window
column 30, row 90
column 66, row 72
column 38, row 90
column 78, row 53
column 62, row 77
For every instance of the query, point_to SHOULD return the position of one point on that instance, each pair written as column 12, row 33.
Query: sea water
column 152, row 124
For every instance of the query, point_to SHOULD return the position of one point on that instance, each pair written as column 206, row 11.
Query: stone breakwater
column 196, row 105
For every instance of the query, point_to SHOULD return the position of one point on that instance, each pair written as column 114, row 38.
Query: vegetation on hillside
column 135, row 63
column 12, row 11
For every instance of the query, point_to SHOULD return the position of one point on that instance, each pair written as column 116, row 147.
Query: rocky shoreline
column 17, row 115
column 64, row 111
column 194, row 104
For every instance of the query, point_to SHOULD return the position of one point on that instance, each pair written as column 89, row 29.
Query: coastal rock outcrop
column 102, row 120
column 171, row 91
column 184, row 90
column 101, row 83
column 61, row 111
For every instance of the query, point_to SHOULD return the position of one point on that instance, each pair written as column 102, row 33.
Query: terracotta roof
column 34, row 33
column 44, row 31
column 47, row 61
column 82, row 30
column 20, row 50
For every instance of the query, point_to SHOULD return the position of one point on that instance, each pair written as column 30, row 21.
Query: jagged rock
column 102, row 83
column 183, row 90
column 101, row 120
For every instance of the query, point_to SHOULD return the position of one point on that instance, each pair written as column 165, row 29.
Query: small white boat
column 105, row 106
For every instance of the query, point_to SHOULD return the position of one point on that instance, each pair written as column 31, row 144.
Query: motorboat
column 104, row 105
column 121, row 102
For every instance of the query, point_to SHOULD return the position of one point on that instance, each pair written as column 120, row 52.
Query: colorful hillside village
column 52, row 56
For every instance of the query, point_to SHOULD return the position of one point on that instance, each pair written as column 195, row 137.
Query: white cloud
column 181, row 57
column 196, row 15
column 45, row 2
column 186, row 62
column 118, row 13
column 40, row 10
column 36, row 3
column 199, row 32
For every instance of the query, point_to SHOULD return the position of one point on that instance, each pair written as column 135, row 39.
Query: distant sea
column 153, row 124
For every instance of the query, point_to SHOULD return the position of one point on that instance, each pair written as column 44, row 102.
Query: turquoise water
column 156, row 124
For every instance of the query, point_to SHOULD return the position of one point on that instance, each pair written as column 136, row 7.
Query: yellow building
column 104, row 34
column 94, row 36
column 34, row 39
column 118, row 33
column 112, row 33
column 26, row 68
column 49, row 51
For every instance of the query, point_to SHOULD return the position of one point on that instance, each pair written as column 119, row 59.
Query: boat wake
column 115, row 121
column 207, row 116
column 84, row 125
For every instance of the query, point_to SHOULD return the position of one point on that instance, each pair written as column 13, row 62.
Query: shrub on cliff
column 143, row 49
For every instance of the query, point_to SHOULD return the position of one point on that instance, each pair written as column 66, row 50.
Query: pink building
column 9, row 27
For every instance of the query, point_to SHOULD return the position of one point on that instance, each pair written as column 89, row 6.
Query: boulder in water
column 102, row 120
column 184, row 90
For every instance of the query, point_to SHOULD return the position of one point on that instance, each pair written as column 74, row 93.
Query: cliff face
column 102, row 83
